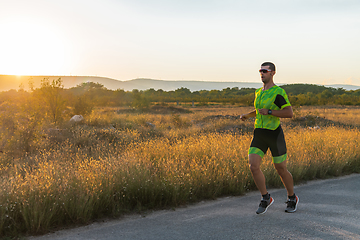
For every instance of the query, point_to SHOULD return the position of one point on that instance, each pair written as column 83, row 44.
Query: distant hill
column 344, row 86
column 8, row 82
column 143, row 84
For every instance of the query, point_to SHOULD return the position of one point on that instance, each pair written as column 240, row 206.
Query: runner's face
column 266, row 77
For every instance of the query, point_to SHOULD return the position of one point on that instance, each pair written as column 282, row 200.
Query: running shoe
column 292, row 205
column 264, row 204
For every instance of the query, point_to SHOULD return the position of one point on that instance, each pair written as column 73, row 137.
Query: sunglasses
column 264, row 70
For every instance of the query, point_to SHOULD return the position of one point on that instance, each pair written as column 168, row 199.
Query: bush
column 83, row 105
column 50, row 95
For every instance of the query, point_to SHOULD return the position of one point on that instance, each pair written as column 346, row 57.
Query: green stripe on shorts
column 279, row 159
column 255, row 150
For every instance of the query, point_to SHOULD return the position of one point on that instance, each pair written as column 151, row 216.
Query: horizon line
column 143, row 78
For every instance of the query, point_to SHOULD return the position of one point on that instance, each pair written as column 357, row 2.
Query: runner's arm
column 248, row 115
column 286, row 112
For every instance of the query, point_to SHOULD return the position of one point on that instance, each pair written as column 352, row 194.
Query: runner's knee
column 281, row 167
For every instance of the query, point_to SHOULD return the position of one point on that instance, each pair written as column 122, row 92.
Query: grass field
column 118, row 162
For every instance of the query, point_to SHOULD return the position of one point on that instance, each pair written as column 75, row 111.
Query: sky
column 310, row 41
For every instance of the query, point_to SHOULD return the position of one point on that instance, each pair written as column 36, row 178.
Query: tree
column 83, row 105
column 52, row 99
column 21, row 118
column 139, row 101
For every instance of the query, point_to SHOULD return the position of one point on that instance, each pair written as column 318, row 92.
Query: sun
column 30, row 48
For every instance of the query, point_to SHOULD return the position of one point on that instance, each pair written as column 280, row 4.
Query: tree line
column 299, row 94
column 53, row 98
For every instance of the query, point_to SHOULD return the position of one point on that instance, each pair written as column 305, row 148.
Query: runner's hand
column 263, row 111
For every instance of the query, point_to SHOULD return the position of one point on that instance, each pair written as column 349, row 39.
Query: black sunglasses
column 264, row 70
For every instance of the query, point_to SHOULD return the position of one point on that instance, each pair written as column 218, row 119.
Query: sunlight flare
column 30, row 48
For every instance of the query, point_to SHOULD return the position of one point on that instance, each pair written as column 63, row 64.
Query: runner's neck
column 268, row 86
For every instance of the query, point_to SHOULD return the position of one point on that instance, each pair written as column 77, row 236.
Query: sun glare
column 30, row 48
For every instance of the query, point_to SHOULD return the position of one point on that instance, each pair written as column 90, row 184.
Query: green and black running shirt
column 274, row 98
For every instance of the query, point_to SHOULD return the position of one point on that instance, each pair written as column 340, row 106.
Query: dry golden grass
column 106, row 171
column 342, row 114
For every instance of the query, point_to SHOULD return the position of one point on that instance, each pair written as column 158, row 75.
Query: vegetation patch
column 312, row 121
column 55, row 173
column 167, row 109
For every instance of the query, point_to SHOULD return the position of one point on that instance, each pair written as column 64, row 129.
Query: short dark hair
column 270, row 65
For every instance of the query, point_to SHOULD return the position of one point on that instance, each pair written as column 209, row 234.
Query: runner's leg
column 258, row 176
column 286, row 177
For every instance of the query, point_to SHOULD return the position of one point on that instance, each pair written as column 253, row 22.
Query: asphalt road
column 328, row 209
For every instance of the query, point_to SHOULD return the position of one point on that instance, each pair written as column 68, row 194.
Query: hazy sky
column 310, row 41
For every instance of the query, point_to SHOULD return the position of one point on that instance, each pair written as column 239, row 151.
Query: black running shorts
column 273, row 139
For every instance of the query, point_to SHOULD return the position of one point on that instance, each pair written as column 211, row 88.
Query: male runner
column 271, row 103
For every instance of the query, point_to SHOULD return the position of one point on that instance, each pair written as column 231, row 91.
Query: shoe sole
column 297, row 202
column 271, row 202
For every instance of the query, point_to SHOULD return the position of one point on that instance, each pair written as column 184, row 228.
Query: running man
column 271, row 103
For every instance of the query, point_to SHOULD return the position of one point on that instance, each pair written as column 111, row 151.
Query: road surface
column 328, row 209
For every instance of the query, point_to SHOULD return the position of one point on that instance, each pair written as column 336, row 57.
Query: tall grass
column 342, row 114
column 107, row 172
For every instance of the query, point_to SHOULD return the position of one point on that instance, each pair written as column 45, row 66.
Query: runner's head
column 267, row 72
column 270, row 65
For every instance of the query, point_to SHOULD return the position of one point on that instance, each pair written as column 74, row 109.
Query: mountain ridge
column 8, row 82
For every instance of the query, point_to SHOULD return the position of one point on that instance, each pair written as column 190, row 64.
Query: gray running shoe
column 263, row 206
column 292, row 205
